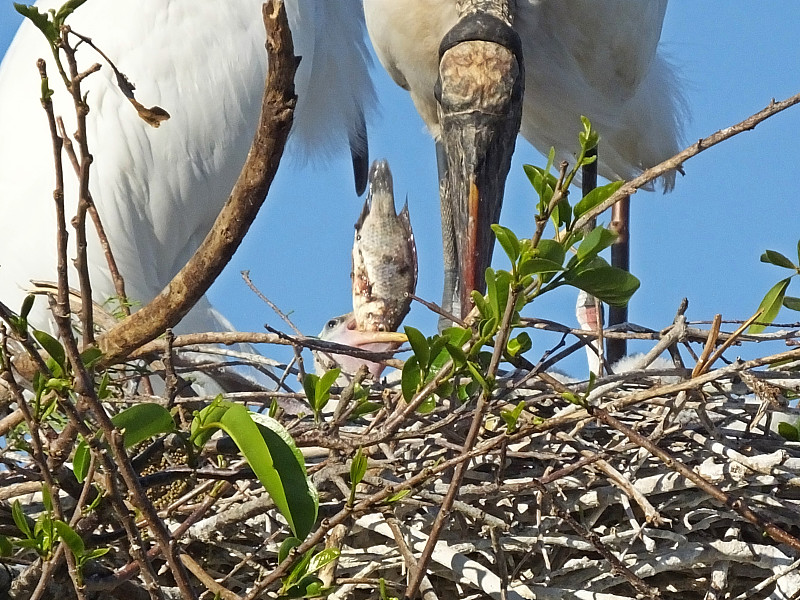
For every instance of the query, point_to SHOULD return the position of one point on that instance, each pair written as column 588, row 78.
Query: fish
column 384, row 274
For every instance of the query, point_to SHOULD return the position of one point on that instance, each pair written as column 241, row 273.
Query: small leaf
column 81, row 461
column 322, row 558
column 598, row 240
column 310, row 382
column 508, row 241
column 70, row 537
column 358, row 468
column 6, row 549
column 323, row 388
column 596, row 197
column 789, row 432
column 52, row 346
column 520, row 344
column 287, row 546
column 777, row 259
column 770, row 306
column 411, row 379
column 791, row 302
column 419, row 345
column 143, row 421
column 90, row 356
column 611, row 285
column 21, row 520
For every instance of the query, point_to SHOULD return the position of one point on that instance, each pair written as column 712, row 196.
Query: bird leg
column 620, row 258
column 479, row 91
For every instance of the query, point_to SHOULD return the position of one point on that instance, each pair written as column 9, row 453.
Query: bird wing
column 611, row 42
column 158, row 191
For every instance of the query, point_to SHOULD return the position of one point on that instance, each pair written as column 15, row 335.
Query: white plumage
column 159, row 190
column 596, row 58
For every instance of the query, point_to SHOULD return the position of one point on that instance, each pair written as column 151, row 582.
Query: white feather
column 158, row 191
column 595, row 58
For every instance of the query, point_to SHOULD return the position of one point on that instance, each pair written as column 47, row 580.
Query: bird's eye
column 332, row 323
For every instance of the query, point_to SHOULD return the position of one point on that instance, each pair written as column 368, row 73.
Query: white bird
column 596, row 58
column 158, row 191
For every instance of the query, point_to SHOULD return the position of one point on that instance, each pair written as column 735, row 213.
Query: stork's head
column 342, row 330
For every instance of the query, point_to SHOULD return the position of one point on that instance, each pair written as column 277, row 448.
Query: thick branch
column 249, row 193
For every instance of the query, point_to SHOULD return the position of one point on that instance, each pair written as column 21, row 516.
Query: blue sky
column 702, row 241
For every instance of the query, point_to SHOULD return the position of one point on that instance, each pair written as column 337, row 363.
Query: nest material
column 540, row 510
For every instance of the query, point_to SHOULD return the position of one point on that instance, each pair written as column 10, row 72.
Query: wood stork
column 158, row 191
column 596, row 58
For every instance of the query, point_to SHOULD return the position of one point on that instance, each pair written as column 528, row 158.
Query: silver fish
column 384, row 257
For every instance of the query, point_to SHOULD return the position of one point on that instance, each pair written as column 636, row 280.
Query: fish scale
column 384, row 257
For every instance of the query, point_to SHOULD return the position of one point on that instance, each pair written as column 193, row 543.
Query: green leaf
column 791, row 302
column 322, row 393
column 611, row 285
column 534, row 266
column 776, row 258
column 40, row 20
column 286, row 476
column 287, row 546
column 551, row 250
column 96, row 553
column 478, row 376
column 420, row 347
column 81, row 461
column 508, row 241
column 427, row 406
column 358, row 468
column 770, row 306
column 273, row 456
column 322, row 558
column 21, row 520
column 310, row 382
column 520, row 344
column 143, row 421
column 53, row 347
column 588, row 138
column 90, row 356
column 598, row 240
column 788, row 432
column 480, row 302
column 6, row 549
column 70, row 537
column 596, row 197
column 204, row 423
column 411, row 378
column 27, row 305
column 66, row 10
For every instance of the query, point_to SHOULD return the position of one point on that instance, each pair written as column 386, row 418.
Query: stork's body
column 596, row 58
column 158, row 191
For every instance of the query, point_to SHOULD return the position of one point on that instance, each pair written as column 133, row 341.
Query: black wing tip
column 359, row 151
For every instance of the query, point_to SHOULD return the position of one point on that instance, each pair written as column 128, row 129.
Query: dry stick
column 247, row 196
column 735, row 504
column 632, row 186
column 285, row 318
column 116, row 276
column 616, row 565
column 85, row 387
column 84, row 384
column 79, row 222
column 458, row 474
column 47, row 567
column 702, row 365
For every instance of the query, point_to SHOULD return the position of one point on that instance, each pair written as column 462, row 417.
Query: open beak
column 343, row 330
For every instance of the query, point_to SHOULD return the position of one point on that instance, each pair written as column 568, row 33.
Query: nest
column 668, row 483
